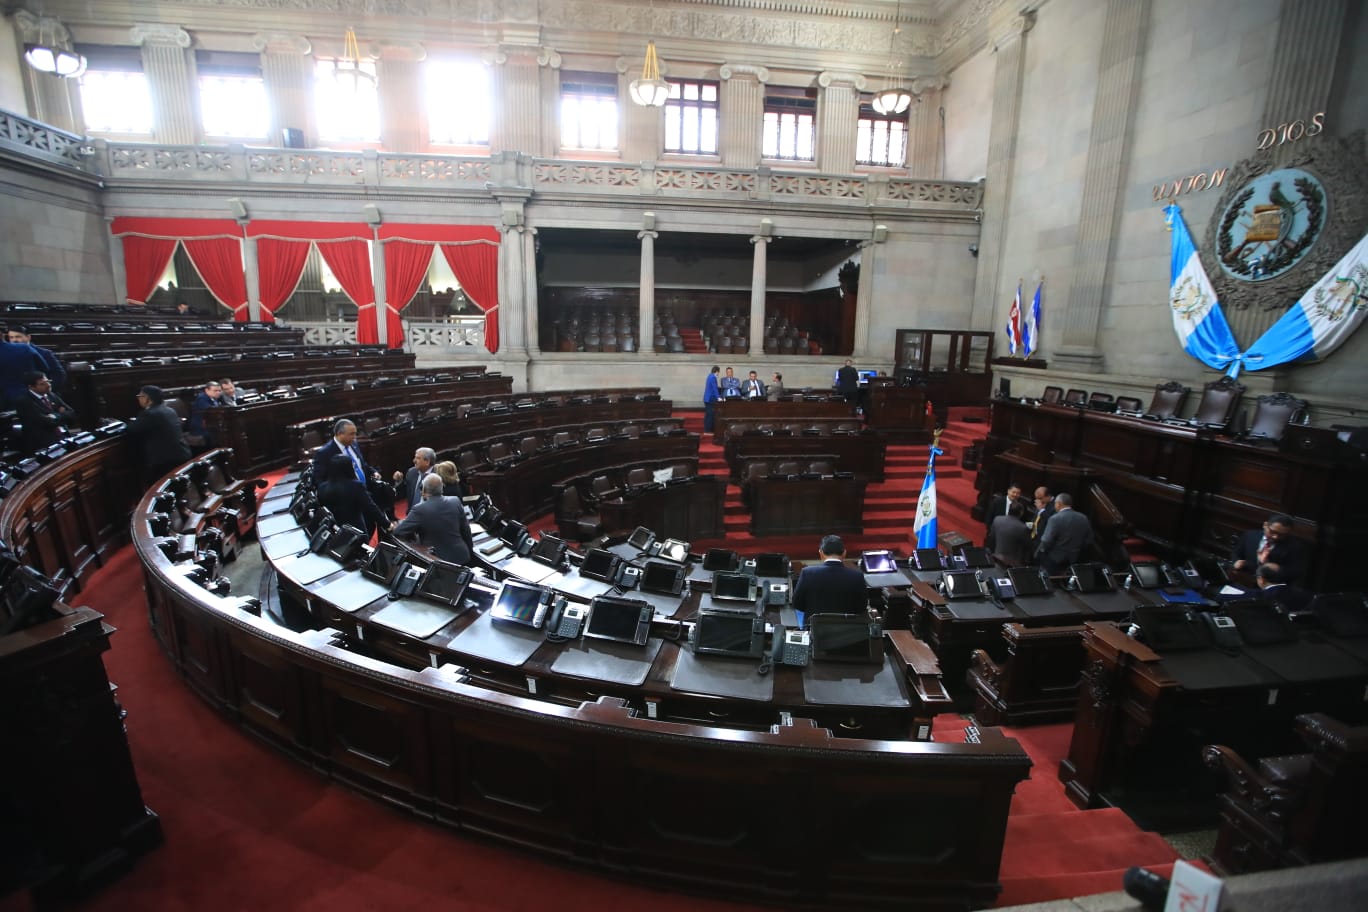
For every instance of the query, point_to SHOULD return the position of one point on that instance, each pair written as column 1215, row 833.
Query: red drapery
column 148, row 244
column 406, row 265
column 342, row 246
column 280, row 263
column 350, row 263
column 482, row 265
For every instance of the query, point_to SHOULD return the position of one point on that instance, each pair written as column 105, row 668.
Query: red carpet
column 248, row 828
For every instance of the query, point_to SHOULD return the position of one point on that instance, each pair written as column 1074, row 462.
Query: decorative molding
column 549, row 58
column 728, row 70
column 399, row 51
column 282, row 43
column 1011, row 30
column 31, row 27
column 828, row 78
column 159, row 34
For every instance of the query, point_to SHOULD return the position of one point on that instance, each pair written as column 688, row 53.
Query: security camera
column 973, row 250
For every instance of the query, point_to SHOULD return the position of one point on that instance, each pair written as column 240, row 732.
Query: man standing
column 830, row 587
column 1066, row 535
column 157, row 429
column 1000, row 504
column 1009, row 538
column 52, row 365
column 754, row 389
column 730, row 386
column 711, row 393
column 1044, row 509
column 848, row 383
column 441, row 522
column 1276, row 545
column 344, row 443
column 409, row 486
column 776, row 388
column 43, row 414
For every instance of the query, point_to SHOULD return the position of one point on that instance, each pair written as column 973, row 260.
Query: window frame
column 778, row 101
column 231, row 64
column 682, row 104
column 455, row 145
column 583, row 84
column 108, row 58
column 865, row 113
column 336, row 142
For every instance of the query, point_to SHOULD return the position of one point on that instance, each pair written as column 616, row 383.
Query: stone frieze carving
column 434, row 170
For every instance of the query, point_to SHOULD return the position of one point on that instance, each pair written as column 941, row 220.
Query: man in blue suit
column 830, row 587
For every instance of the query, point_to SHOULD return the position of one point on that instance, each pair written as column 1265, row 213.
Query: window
column 691, row 118
column 232, row 95
column 115, row 96
column 458, row 103
column 880, row 139
column 790, row 124
column 348, row 107
column 589, row 111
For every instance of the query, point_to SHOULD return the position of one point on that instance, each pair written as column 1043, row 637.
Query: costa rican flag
column 1014, row 323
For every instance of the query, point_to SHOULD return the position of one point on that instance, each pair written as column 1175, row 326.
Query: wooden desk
column 787, row 506
column 688, row 511
column 760, row 411
column 898, row 412
column 861, row 453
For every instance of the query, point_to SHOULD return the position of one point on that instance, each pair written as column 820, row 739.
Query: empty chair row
column 1215, row 410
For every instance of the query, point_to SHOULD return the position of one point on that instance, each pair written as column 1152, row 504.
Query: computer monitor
column 662, row 578
column 1148, row 574
column 928, row 559
column 772, row 564
column 1092, row 577
column 1029, row 581
column 384, row 562
column 1171, row 628
column 878, row 562
column 513, row 534
column 550, row 550
column 641, row 538
column 622, row 620
column 444, row 582
column 1212, row 570
column 672, row 549
column 961, row 584
column 720, row 559
column 734, row 587
column 845, row 638
column 724, row 634
column 866, row 376
column 520, row 603
column 975, row 558
column 346, row 543
column 600, row 565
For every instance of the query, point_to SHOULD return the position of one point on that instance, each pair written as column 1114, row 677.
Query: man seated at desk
column 1066, row 535
column 441, row 522
column 1273, row 586
column 753, row 388
column 1274, row 544
column 830, row 587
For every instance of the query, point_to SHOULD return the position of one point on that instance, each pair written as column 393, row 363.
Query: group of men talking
column 1046, row 530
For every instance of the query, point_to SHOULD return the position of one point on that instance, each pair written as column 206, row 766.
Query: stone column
column 52, row 96
column 116, row 262
column 378, row 280
column 287, row 68
column 252, row 273
column 926, row 127
column 399, row 75
column 517, row 127
column 1118, row 78
column 759, row 269
column 1007, row 30
column 640, row 133
column 838, row 114
column 742, row 114
column 514, row 314
column 529, row 280
column 646, row 294
column 169, row 65
column 864, row 294
column 548, row 82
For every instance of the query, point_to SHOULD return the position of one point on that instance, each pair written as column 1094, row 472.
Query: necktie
column 1265, row 548
column 47, row 403
column 356, row 461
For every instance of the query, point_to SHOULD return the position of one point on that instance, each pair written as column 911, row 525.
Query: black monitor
column 1148, row 574
column 845, row 638
column 1092, row 577
column 1171, row 628
column 641, row 538
column 28, row 599
column 878, row 562
column 622, row 620
column 961, row 584
column 734, row 587
column 444, row 583
column 928, row 559
column 346, row 543
column 975, row 558
column 384, row 562
column 482, row 509
column 720, row 559
column 1260, row 622
column 772, row 564
column 513, row 534
column 672, row 549
column 520, row 603
column 1212, row 570
column 725, row 634
column 1029, row 581
column 550, row 550
column 662, row 578
column 600, row 565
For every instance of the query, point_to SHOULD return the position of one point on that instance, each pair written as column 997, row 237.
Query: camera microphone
column 1144, row 885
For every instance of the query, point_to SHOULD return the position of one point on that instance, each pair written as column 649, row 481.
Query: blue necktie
column 356, row 461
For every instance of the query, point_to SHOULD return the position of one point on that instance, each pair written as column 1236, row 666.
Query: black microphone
column 1149, row 888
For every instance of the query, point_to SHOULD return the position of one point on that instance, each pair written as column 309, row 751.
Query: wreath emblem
column 1260, row 238
column 1343, row 297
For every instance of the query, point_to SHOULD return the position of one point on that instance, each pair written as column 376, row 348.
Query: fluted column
column 53, row 101
column 759, row 278
column 864, row 293
column 251, row 272
column 287, row 69
column 926, row 127
column 640, row 134
column 400, row 85
column 742, row 114
column 838, row 114
column 548, row 81
column 517, row 125
column 646, row 295
column 378, row 281
column 529, row 280
column 169, row 65
column 116, row 263
column 1007, row 32
column 1123, row 56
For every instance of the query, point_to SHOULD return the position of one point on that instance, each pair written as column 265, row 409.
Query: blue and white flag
column 1014, row 322
column 1031, row 333
column 1324, row 317
column 1197, row 317
column 925, row 523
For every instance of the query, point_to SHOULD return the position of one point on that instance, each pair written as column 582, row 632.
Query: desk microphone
column 1144, row 885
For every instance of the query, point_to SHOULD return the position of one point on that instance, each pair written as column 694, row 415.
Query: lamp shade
column 54, row 60
column 650, row 90
column 892, row 101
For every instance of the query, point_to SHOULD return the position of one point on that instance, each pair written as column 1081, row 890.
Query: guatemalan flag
column 1324, row 317
column 1197, row 316
column 1014, row 322
column 1031, row 332
column 925, row 523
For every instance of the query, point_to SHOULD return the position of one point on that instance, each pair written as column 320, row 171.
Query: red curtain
column 280, row 263
column 349, row 261
column 149, row 242
column 219, row 263
column 406, row 265
column 476, row 266
column 145, row 260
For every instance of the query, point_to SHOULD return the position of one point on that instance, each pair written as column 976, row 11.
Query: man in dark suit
column 1274, row 544
column 1066, row 535
column 848, row 383
column 1271, row 583
column 207, row 398
column 1009, row 538
column 409, row 485
column 158, row 433
column 43, row 414
column 1044, row 509
column 344, row 444
column 17, row 360
column 52, row 365
column 1000, row 502
column 830, row 587
column 441, row 522
column 753, row 388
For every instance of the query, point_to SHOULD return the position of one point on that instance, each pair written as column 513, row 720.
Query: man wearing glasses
column 1273, row 544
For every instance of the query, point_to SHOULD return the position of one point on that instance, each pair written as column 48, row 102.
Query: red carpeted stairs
column 693, row 341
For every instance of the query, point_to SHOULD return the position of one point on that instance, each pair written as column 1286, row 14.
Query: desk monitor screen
column 550, row 550
column 1212, row 570
column 928, row 559
column 961, row 584
column 734, row 587
column 878, row 562
column 1170, row 628
column 772, row 564
column 444, row 583
column 521, row 604
column 346, row 543
column 865, row 376
column 1260, row 622
column 1148, row 574
column 620, row 619
column 720, row 559
column 672, row 549
column 729, row 635
column 662, row 578
column 845, row 638
column 1029, row 581
column 600, row 565
column 513, row 533
column 976, row 558
column 641, row 538
column 384, row 562
column 1092, row 577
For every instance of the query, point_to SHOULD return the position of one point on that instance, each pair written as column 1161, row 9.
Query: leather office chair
column 500, row 454
column 821, row 467
column 771, row 345
column 846, row 427
column 632, row 431
column 573, row 521
column 675, row 344
column 609, row 344
column 1273, row 414
column 789, row 467
column 563, row 439
column 602, row 487
column 1102, row 402
column 639, row 477
column 1219, row 401
column 628, row 344
column 723, row 345
column 659, row 343
column 528, row 446
column 1128, row 405
column 1169, row 399
column 467, row 461
column 1076, row 397
column 755, row 469
column 1052, row 395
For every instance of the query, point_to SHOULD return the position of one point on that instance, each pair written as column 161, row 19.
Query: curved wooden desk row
column 792, row 411
column 863, row 452
column 259, row 435
column 582, row 771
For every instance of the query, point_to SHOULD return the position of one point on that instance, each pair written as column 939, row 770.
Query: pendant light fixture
column 894, row 99
column 53, row 54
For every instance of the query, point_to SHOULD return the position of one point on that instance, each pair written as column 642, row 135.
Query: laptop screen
column 619, row 619
column 1028, row 581
column 878, row 562
column 387, row 558
column 735, row 587
column 772, row 564
column 727, row 634
column 600, row 565
column 519, row 603
column 844, row 638
column 662, row 578
column 444, row 582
